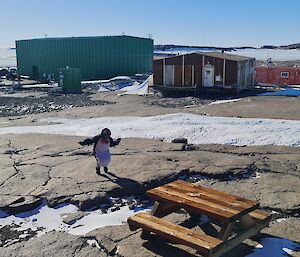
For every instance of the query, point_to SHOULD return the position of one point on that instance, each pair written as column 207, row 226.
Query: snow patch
column 44, row 219
column 197, row 129
column 225, row 101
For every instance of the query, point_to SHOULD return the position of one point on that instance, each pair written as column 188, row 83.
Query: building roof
column 83, row 37
column 232, row 57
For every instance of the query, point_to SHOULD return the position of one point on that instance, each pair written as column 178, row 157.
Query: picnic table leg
column 162, row 209
column 209, row 229
column 226, row 230
column 247, row 222
column 156, row 208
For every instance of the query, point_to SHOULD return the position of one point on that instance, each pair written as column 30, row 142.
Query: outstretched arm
column 89, row 141
column 114, row 142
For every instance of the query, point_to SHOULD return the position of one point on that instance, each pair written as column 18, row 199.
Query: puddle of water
column 274, row 247
column 284, row 92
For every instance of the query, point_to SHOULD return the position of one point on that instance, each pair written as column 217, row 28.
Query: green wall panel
column 96, row 57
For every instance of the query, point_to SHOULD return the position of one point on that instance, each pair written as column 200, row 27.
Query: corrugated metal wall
column 274, row 75
column 97, row 57
column 246, row 73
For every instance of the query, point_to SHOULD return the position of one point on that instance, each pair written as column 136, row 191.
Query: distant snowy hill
column 7, row 57
column 261, row 54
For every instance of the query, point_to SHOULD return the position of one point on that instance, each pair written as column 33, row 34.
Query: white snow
column 280, row 220
column 196, row 128
column 258, row 54
column 7, row 57
column 225, row 101
column 50, row 219
column 137, row 89
column 97, row 219
column 39, row 86
column 275, row 54
column 123, row 84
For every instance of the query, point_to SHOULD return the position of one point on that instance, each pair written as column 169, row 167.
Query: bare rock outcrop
column 53, row 244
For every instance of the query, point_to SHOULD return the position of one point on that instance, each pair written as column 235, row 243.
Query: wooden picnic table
column 237, row 218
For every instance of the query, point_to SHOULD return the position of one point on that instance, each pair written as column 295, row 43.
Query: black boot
column 105, row 169
column 97, row 170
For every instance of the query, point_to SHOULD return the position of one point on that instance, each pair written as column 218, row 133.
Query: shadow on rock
column 164, row 249
column 270, row 246
column 126, row 185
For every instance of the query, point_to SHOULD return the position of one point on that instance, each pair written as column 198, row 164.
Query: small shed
column 209, row 70
column 278, row 75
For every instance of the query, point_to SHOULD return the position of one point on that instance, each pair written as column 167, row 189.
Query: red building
column 278, row 75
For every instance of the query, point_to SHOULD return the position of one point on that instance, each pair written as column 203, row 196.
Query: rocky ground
column 179, row 102
column 17, row 106
column 36, row 168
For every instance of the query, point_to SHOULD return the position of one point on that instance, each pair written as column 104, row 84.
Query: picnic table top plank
column 210, row 196
column 212, row 192
column 195, row 198
column 191, row 205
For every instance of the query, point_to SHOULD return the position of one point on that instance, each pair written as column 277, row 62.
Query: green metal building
column 96, row 57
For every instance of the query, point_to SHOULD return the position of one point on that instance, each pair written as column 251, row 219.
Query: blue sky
column 188, row 22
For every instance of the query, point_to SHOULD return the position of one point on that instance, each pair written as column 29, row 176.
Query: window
column 284, row 74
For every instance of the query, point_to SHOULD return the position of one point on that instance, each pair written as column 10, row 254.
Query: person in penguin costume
column 102, row 143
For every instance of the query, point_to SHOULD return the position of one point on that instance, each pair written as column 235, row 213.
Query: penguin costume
column 101, row 151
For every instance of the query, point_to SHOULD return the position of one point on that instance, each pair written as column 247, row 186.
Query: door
column 208, row 76
column 188, row 74
column 35, row 72
column 169, row 75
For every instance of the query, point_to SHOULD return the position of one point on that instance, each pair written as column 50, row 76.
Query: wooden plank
column 247, row 222
column 199, row 200
column 209, row 229
column 203, row 243
column 226, row 231
column 178, row 75
column 188, row 75
column 161, row 209
column 261, row 216
column 228, row 197
column 218, row 211
column 234, row 204
column 211, row 193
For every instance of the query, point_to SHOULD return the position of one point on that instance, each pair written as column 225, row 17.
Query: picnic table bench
column 236, row 217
